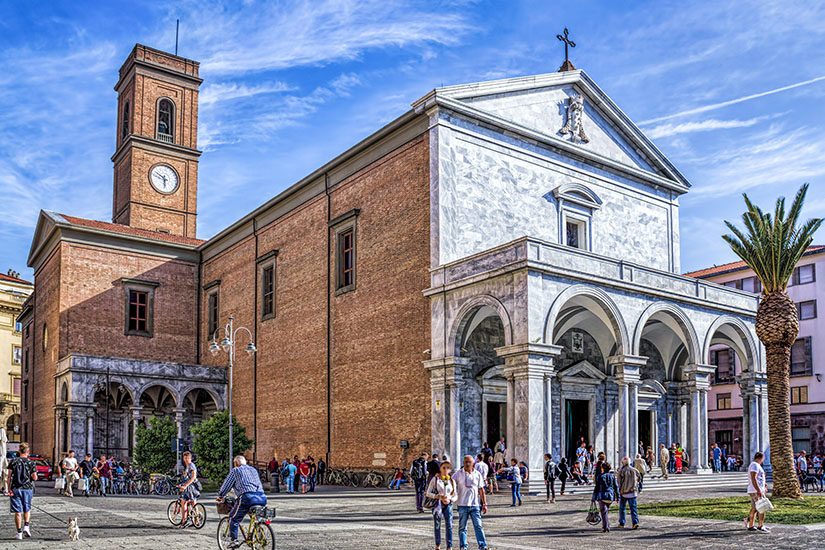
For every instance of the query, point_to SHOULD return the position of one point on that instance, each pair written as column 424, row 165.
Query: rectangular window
column 799, row 394
column 25, row 395
column 16, row 386
column 806, row 310
column 18, row 326
column 801, row 360
column 737, row 284
column 138, row 310
column 722, row 401
column 573, row 237
column 212, row 313
column 346, row 259
column 16, row 355
column 803, row 274
column 268, row 291
column 26, row 361
column 725, row 367
column 752, row 284
column 801, row 439
column 724, row 437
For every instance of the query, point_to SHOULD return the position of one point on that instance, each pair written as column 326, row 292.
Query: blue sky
column 289, row 85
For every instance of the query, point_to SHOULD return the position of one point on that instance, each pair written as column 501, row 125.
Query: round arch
column 604, row 308
column 681, row 320
column 175, row 397
column 746, row 347
column 465, row 315
column 189, row 391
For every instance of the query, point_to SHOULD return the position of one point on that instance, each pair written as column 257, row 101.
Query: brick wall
column 380, row 391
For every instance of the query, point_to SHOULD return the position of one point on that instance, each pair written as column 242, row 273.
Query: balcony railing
column 166, row 138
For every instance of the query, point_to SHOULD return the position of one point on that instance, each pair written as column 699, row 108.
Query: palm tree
column 771, row 246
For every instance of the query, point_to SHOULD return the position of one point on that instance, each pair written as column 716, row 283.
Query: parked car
column 44, row 469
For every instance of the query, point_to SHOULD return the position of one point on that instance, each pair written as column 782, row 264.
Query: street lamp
column 228, row 345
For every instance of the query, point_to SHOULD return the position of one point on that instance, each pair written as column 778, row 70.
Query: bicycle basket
column 267, row 513
column 225, row 507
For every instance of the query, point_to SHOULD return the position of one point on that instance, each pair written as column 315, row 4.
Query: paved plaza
column 357, row 519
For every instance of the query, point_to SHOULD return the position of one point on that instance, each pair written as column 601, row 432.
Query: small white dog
column 74, row 529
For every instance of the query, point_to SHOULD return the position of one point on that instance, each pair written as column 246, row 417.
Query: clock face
column 163, row 178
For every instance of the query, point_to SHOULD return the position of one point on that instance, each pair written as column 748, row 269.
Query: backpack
column 22, row 470
column 418, row 471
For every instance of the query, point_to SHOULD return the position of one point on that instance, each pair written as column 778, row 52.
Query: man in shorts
column 22, row 473
column 757, row 488
column 189, row 488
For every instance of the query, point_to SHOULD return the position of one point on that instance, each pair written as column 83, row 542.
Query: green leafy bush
column 211, row 444
column 153, row 448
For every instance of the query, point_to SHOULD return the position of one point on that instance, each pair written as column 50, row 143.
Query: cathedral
column 501, row 260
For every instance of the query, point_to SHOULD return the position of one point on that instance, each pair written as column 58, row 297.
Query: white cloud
column 666, row 130
column 224, row 91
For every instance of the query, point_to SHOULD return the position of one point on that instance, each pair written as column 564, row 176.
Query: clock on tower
column 156, row 161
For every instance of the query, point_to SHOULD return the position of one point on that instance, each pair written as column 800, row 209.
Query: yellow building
column 13, row 292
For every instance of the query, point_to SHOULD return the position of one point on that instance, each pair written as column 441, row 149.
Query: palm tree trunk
column 785, row 482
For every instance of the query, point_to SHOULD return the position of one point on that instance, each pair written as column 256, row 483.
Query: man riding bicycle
column 246, row 482
column 189, row 488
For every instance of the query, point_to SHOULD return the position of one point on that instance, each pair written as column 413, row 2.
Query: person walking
column 757, row 488
column 274, row 475
column 716, row 453
column 289, row 476
column 501, row 447
column 433, row 467
column 313, row 474
column 87, row 469
column 677, row 456
column 564, row 474
column 443, row 489
column 551, row 472
column 515, row 484
column 664, row 459
column 472, row 503
column 418, row 475
column 104, row 470
column 69, row 468
column 605, row 492
column 20, row 477
column 482, row 467
column 650, row 459
column 639, row 464
column 249, row 492
column 303, row 471
column 629, row 480
column 492, row 484
column 581, row 456
column 322, row 471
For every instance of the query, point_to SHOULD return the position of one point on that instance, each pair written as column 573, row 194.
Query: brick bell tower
column 156, row 162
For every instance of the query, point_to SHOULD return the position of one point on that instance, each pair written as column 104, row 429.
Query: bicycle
column 197, row 512
column 160, row 484
column 258, row 534
column 373, row 479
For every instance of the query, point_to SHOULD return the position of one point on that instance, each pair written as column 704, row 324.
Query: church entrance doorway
column 577, row 424
column 496, row 422
column 646, row 430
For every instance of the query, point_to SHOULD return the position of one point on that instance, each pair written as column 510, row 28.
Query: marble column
column 527, row 368
column 753, row 413
column 695, row 423
column 747, row 449
column 683, row 421
column 627, row 377
column 624, row 424
column 455, row 422
column 548, row 412
column 135, row 421
column 90, row 432
column 703, row 443
column 511, row 416
column 634, row 420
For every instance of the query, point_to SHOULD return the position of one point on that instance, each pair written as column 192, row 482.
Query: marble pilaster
column 698, row 383
column 627, row 374
column 527, row 368
column 446, row 379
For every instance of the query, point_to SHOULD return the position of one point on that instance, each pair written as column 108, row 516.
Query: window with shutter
column 801, row 357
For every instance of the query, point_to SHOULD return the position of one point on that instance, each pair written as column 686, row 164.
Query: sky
column 733, row 92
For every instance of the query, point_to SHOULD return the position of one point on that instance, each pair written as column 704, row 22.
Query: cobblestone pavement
column 355, row 519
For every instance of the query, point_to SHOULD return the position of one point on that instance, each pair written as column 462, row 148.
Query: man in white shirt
column 757, row 488
column 481, row 466
column 69, row 467
column 472, row 502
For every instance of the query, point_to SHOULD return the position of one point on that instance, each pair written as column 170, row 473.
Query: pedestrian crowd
column 810, row 470
column 296, row 473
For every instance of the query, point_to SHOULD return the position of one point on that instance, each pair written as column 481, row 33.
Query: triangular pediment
column 542, row 104
column 582, row 371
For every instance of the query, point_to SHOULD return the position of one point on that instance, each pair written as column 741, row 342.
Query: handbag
column 763, row 505
column 593, row 515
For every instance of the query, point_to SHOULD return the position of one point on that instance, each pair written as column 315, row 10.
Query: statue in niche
column 574, row 124
column 577, row 342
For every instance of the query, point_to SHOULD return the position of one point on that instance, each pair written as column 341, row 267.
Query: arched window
column 125, row 124
column 166, row 121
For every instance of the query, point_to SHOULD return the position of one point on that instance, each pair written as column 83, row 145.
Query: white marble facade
column 594, row 336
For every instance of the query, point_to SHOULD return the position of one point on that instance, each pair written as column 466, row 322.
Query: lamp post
column 228, row 345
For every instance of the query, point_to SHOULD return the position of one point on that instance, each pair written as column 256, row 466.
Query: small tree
column 153, row 448
column 211, row 444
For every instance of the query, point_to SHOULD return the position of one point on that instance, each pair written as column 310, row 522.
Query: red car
column 44, row 469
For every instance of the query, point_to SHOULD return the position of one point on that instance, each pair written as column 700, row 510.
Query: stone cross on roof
column 566, row 66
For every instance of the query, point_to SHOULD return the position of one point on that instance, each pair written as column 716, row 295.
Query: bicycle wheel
column 263, row 538
column 162, row 487
column 224, row 539
column 175, row 512
column 198, row 515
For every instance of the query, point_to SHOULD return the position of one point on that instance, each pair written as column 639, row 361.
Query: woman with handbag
column 440, row 496
column 606, row 492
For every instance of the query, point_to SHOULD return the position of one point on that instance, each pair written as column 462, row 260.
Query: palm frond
column 771, row 245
